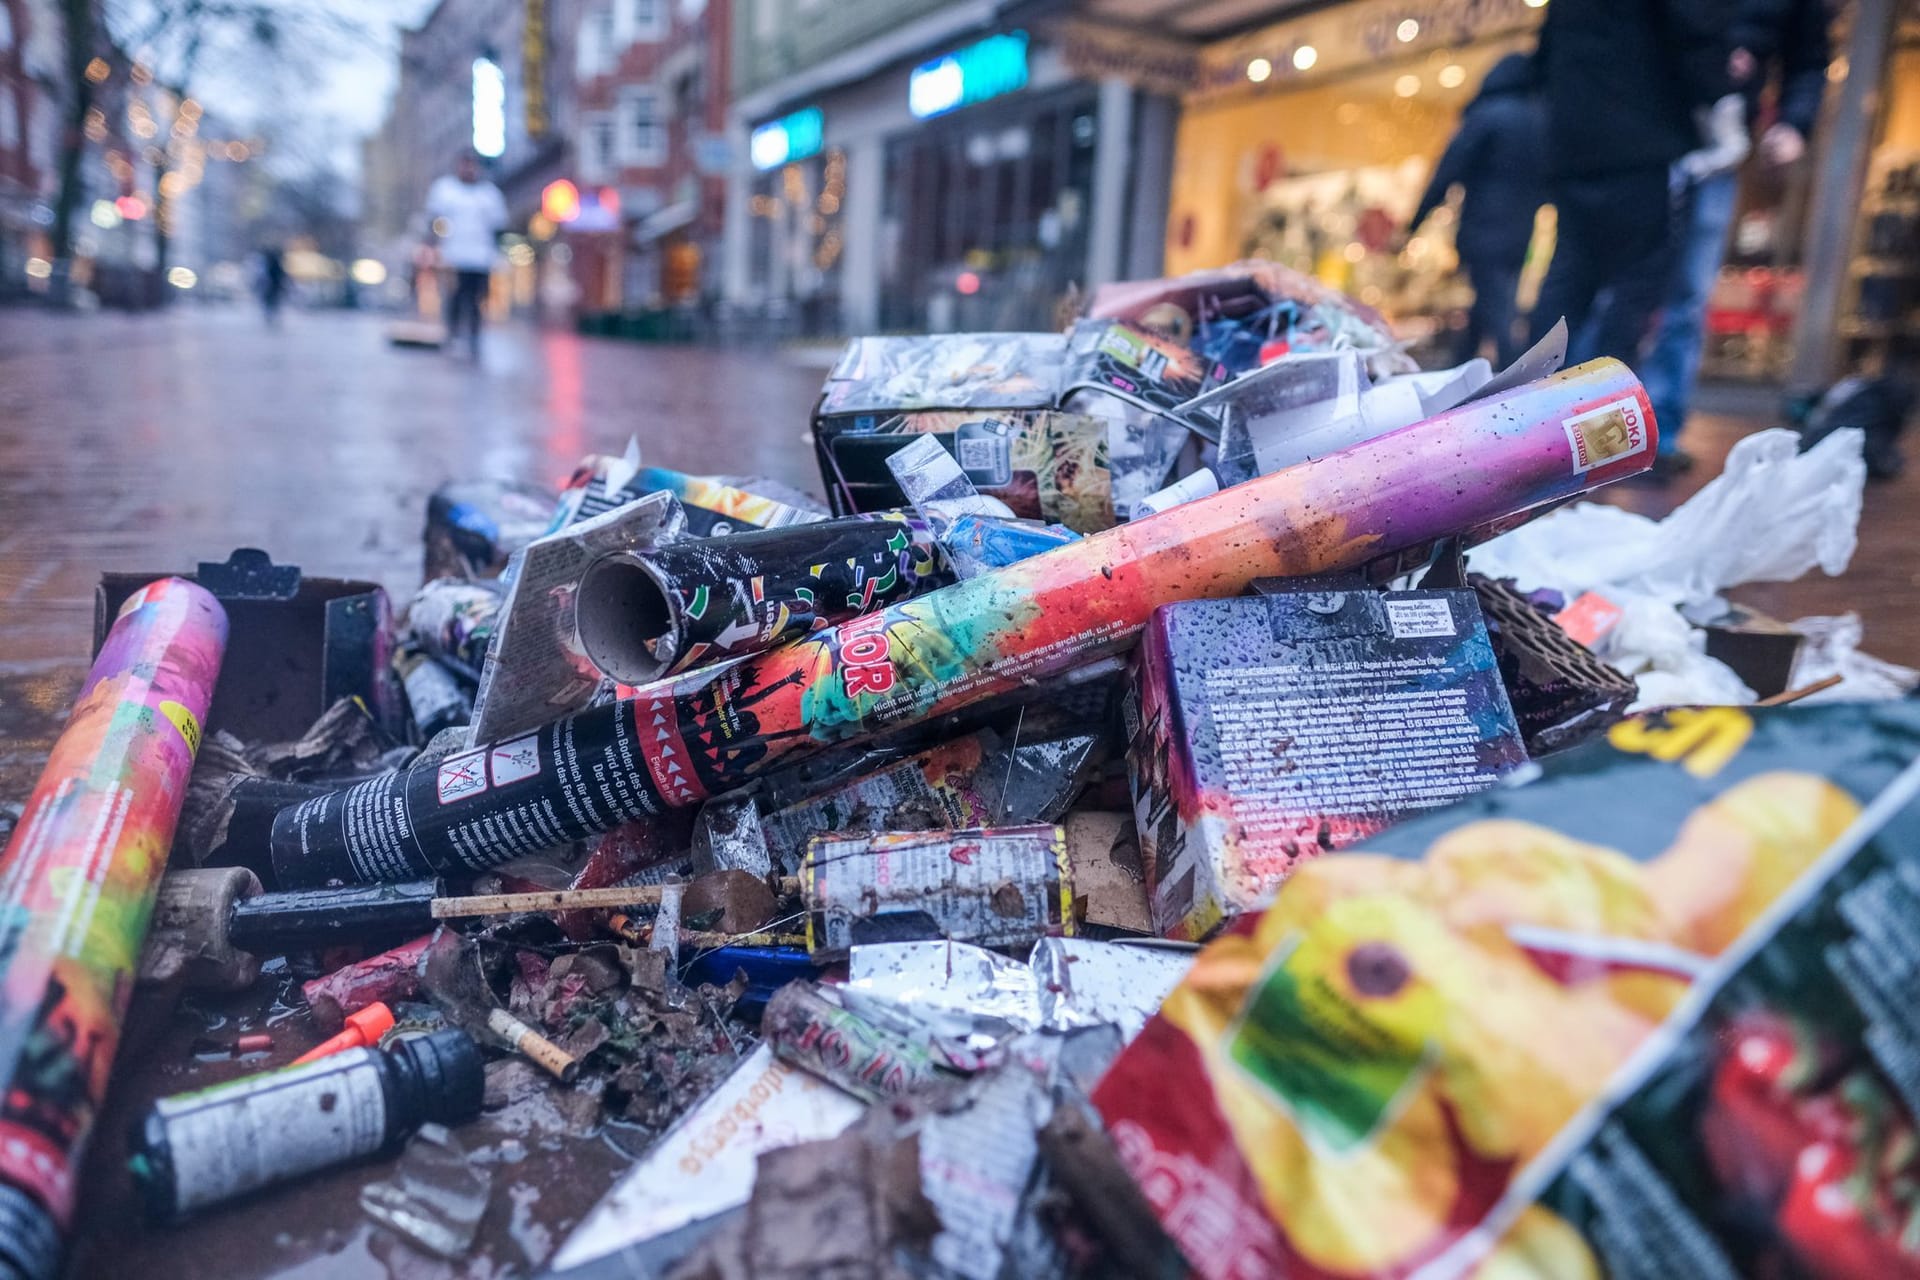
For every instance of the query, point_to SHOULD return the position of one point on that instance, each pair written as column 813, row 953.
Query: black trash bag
column 1878, row 406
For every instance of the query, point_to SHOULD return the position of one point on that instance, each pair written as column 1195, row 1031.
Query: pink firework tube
column 77, row 886
column 677, row 742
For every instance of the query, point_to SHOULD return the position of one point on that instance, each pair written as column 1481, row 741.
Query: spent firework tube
column 677, row 742
column 77, row 887
column 654, row 613
column 871, row 1062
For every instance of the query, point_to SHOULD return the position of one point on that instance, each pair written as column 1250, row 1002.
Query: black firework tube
column 650, row 614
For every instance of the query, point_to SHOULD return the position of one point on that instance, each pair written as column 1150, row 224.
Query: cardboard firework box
column 989, row 398
column 1267, row 730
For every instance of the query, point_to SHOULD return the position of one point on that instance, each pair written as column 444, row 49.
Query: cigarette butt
column 549, row 1056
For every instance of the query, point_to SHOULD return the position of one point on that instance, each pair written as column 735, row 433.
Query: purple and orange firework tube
column 677, row 742
column 77, row 884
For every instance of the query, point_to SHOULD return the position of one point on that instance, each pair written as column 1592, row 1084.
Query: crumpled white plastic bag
column 1773, row 514
column 1770, row 516
column 1667, row 657
column 1832, row 647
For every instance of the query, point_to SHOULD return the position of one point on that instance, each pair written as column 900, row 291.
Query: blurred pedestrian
column 1787, row 36
column 272, row 283
column 468, row 213
column 1623, row 80
column 1498, row 155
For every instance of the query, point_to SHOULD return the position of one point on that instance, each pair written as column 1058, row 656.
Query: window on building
column 643, row 133
column 594, row 54
column 599, row 151
column 650, row 19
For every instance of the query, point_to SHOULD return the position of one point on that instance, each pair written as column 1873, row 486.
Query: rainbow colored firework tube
column 679, row 741
column 77, row 884
column 648, row 614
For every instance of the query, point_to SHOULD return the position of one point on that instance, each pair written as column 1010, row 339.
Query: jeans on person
column 1671, row 366
column 1616, row 237
column 1495, row 285
column 463, row 306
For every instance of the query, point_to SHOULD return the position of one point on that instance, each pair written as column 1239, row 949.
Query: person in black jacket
column 1792, row 36
column 1622, row 80
column 1499, row 155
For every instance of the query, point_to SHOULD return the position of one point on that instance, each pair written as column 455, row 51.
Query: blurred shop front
column 1878, row 314
column 942, row 178
column 1309, row 141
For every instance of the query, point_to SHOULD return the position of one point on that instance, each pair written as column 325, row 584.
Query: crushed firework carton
column 1005, row 887
column 704, row 1165
column 1134, row 382
column 1266, row 730
column 297, row 644
column 1762, row 651
column 1141, row 368
column 989, row 398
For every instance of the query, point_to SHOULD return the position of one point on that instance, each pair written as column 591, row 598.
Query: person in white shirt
column 469, row 214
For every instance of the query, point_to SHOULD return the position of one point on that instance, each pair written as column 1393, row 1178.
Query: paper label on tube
column 572, row 779
column 235, row 1138
column 1002, row 887
column 185, row 721
column 1611, row 432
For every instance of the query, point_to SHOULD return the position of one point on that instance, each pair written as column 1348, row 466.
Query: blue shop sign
column 980, row 71
column 792, row 137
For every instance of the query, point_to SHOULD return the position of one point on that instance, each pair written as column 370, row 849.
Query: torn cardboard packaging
column 1006, row 887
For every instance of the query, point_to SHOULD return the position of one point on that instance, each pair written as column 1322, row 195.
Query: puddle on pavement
column 543, row 1182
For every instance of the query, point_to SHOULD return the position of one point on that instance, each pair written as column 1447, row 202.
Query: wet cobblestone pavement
column 154, row 442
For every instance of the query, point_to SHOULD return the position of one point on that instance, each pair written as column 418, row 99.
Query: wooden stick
column 697, row 938
column 506, row 904
column 1805, row 691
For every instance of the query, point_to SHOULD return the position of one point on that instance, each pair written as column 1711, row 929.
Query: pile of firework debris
column 936, row 882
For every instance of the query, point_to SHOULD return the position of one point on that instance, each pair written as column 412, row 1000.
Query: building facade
column 485, row 74
column 650, row 80
column 30, row 103
column 932, row 166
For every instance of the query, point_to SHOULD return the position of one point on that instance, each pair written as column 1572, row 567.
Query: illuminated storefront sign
column 533, row 67
column 980, row 71
column 489, row 108
column 791, row 137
